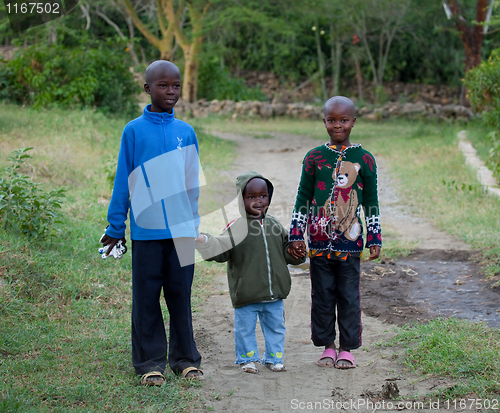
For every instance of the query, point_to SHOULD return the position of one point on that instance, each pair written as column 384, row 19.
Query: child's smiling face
column 164, row 87
column 339, row 119
column 256, row 198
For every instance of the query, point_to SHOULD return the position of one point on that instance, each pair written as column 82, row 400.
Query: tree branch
column 128, row 8
column 85, row 11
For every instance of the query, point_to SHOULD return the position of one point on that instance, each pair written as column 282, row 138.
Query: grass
column 466, row 351
column 65, row 330
column 477, row 133
column 64, row 335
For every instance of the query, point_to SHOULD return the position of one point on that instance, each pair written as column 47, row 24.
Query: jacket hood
column 241, row 183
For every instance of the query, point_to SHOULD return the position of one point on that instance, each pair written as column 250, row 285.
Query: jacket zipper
column 267, row 258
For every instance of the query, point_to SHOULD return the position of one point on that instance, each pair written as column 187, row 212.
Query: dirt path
column 389, row 296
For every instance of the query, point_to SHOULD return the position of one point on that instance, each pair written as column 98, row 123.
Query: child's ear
column 146, row 88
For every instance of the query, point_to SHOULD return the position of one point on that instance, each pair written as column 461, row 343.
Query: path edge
column 483, row 174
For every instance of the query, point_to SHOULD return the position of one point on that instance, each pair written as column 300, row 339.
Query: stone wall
column 265, row 110
column 277, row 90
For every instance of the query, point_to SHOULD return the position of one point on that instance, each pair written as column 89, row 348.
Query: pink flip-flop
column 345, row 355
column 328, row 353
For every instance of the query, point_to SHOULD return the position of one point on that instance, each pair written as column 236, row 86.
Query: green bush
column 216, row 82
column 483, row 83
column 45, row 76
column 110, row 170
column 24, row 207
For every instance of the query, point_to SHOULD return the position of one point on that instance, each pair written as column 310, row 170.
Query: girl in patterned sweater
column 338, row 181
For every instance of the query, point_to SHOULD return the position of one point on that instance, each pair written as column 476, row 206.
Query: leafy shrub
column 43, row 76
column 483, row 83
column 494, row 158
column 216, row 82
column 110, row 170
column 24, row 207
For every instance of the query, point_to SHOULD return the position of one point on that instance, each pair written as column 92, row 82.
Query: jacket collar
column 155, row 117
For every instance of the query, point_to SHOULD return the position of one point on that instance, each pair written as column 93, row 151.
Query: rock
column 279, row 108
column 266, row 110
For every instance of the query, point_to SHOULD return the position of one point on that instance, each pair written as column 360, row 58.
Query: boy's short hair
column 339, row 99
column 154, row 67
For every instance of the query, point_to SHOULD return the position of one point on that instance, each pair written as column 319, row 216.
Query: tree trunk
column 336, row 56
column 130, row 39
column 359, row 77
column 192, row 50
column 471, row 35
column 321, row 64
column 192, row 64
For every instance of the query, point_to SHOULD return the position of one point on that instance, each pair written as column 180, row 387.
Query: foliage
column 427, row 51
column 216, row 82
column 24, row 207
column 381, row 20
column 45, row 76
column 110, row 170
column 493, row 161
column 265, row 36
column 483, row 83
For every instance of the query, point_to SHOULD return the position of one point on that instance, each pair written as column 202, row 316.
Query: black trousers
column 335, row 297
column 155, row 266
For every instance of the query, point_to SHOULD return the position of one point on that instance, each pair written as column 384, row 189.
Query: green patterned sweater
column 334, row 187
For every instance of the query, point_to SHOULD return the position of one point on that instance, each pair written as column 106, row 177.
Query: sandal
column 329, row 353
column 153, row 378
column 249, row 368
column 345, row 356
column 192, row 373
column 276, row 367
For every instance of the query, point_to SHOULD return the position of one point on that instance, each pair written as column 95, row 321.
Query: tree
column 171, row 24
column 191, row 47
column 381, row 19
column 471, row 32
column 104, row 15
column 164, row 42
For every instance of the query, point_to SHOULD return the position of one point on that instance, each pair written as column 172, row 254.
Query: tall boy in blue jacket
column 157, row 178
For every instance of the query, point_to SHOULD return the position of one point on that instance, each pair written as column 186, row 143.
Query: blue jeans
column 272, row 322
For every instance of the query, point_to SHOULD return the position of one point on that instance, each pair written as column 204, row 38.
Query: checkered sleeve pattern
column 373, row 231
column 297, row 227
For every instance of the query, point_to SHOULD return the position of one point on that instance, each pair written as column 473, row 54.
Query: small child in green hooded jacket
column 255, row 249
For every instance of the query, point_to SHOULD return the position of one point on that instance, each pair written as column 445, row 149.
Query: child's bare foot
column 345, row 360
column 328, row 358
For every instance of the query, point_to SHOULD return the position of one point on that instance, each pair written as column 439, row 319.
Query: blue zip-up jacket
column 157, row 178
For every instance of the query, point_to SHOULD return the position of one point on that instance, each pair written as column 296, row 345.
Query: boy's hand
column 200, row 239
column 374, row 252
column 107, row 240
column 297, row 249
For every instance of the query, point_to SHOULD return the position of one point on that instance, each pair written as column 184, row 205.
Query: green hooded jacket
column 255, row 252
